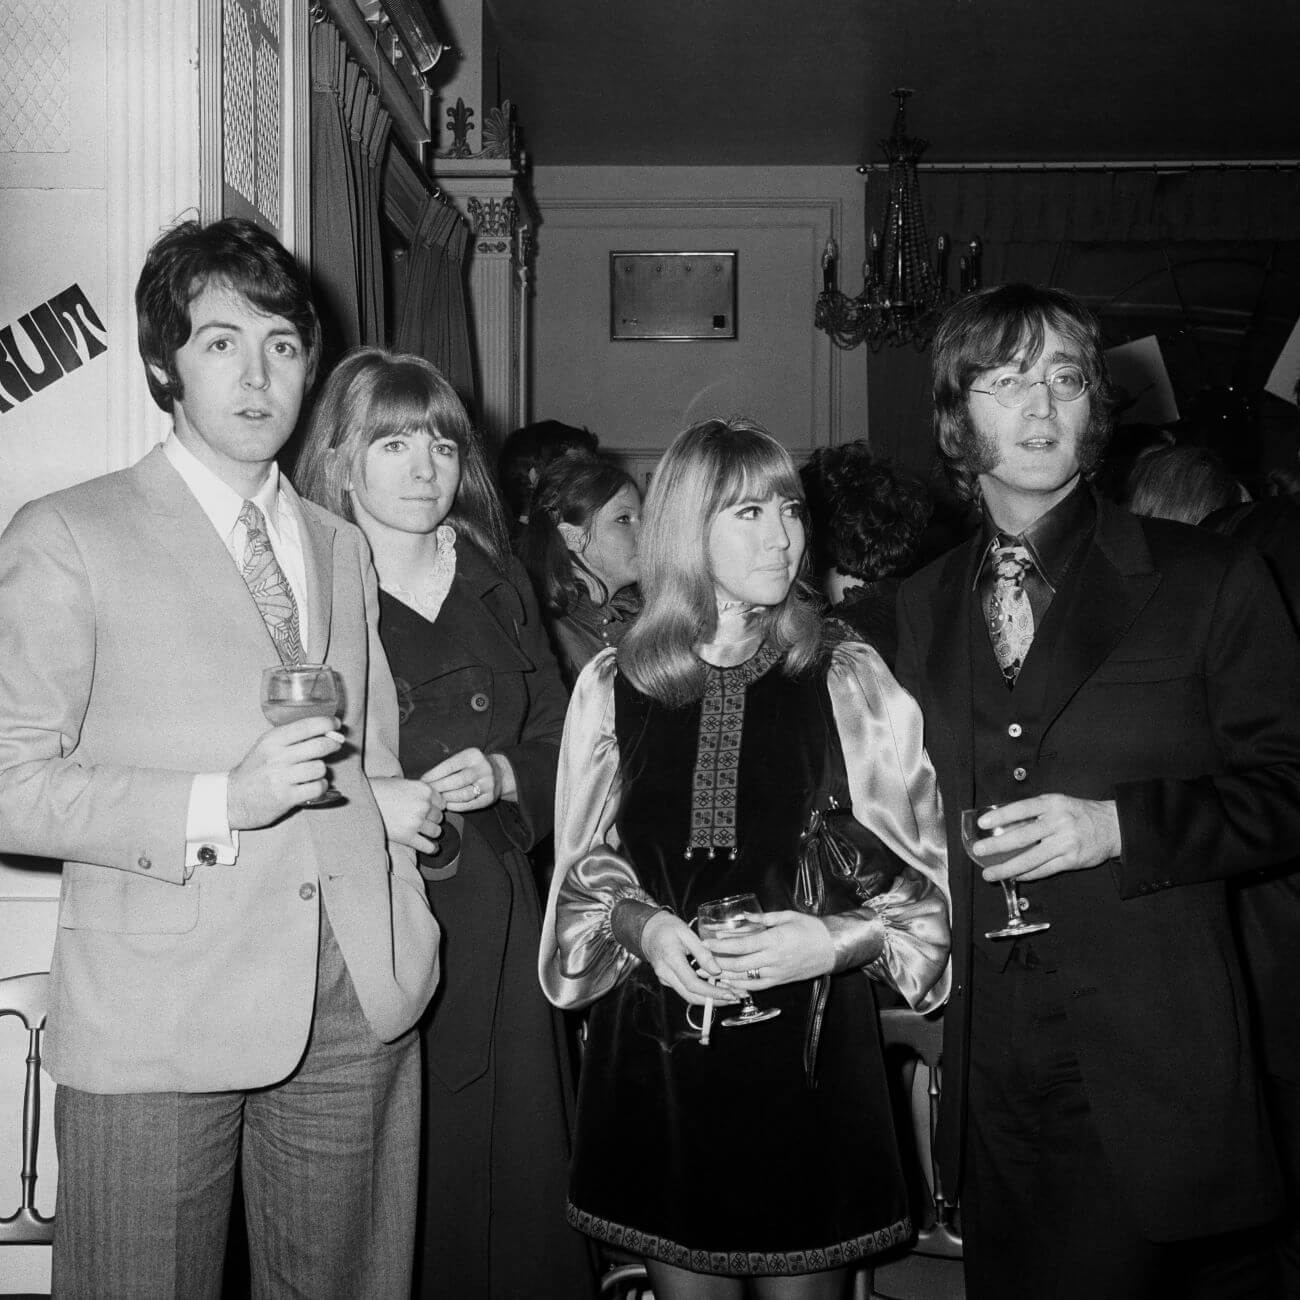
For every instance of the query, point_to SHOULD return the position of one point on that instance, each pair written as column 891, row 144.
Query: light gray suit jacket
column 131, row 656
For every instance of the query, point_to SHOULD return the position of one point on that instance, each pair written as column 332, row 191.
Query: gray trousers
column 329, row 1161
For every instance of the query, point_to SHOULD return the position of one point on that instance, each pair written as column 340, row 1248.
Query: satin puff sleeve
column 580, row 959
column 895, row 793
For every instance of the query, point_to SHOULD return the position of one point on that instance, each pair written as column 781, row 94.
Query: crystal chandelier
column 902, row 294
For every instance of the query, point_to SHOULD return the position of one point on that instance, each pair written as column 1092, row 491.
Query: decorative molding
column 492, row 217
column 458, row 121
column 152, row 179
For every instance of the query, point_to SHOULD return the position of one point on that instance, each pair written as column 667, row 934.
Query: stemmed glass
column 724, row 918
column 291, row 691
column 971, row 833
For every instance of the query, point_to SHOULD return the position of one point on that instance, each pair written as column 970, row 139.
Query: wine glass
column 291, row 691
column 723, row 918
column 971, row 832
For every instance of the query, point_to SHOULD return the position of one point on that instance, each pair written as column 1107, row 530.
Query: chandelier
column 902, row 294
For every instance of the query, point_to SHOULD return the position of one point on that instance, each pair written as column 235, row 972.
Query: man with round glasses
column 1128, row 693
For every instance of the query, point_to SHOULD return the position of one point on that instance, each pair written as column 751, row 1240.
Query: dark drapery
column 434, row 321
column 349, row 133
column 1034, row 225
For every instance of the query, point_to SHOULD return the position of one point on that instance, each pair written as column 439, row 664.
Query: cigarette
column 707, row 1022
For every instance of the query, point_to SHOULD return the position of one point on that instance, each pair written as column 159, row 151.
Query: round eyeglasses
column 1066, row 384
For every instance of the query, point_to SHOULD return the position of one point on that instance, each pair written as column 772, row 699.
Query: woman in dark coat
column 482, row 708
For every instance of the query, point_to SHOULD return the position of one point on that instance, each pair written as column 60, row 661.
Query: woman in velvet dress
column 391, row 447
column 579, row 547
column 764, row 1162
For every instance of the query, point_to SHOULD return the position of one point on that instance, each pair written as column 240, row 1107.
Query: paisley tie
column 269, row 587
column 1010, row 617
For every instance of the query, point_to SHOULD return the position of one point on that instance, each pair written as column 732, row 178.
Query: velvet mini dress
column 747, row 1155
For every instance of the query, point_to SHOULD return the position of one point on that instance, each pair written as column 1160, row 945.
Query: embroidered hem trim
column 717, row 753
column 740, row 1263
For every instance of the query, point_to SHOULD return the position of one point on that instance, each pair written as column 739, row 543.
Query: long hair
column 234, row 253
column 867, row 517
column 571, row 490
column 1183, row 483
column 987, row 329
column 374, row 394
column 706, row 470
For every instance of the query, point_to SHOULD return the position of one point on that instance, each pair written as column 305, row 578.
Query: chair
column 26, row 996
column 916, row 1043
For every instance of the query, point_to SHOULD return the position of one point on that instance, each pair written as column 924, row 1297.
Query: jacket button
column 1015, row 730
column 1019, row 774
column 479, row 702
column 306, row 892
column 145, row 864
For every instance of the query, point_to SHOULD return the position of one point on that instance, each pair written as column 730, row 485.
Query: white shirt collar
column 220, row 502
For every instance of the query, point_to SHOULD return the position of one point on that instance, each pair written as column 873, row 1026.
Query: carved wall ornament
column 495, row 218
column 458, row 119
column 499, row 132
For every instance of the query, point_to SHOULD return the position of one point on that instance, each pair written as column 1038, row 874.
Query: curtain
column 349, row 133
column 435, row 322
column 1029, row 222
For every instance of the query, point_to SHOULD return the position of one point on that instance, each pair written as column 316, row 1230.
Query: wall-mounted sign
column 46, row 343
column 672, row 297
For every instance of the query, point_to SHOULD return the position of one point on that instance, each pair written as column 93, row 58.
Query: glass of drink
column 724, row 918
column 971, row 833
column 291, row 691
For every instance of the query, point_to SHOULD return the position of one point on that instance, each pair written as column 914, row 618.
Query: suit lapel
column 1116, row 580
column 317, row 536
column 196, row 557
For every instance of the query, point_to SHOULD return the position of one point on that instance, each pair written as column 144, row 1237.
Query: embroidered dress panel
column 1009, row 614
column 268, row 586
column 717, row 754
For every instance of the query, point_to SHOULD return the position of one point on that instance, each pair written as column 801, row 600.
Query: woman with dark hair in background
column 1183, row 483
column 580, row 548
column 391, row 447
column 867, row 519
column 699, row 758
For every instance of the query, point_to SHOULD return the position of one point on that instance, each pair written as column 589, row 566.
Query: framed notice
column 672, row 297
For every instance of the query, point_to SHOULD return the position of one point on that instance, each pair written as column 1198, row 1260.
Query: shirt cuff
column 209, row 839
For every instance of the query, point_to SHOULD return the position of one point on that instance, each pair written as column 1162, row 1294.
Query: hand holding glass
column 971, row 833
column 725, row 918
column 292, row 691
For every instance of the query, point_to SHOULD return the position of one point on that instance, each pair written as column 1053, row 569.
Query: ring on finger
column 477, row 791
column 752, row 973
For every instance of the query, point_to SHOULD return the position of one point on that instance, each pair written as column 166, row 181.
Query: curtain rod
column 1160, row 165
column 360, row 41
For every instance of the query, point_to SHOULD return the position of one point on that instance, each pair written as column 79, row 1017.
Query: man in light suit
column 1129, row 691
column 235, row 975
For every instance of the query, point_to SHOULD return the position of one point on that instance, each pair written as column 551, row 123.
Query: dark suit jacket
column 1174, row 692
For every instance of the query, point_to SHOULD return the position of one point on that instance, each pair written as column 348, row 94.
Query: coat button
column 1015, row 730
column 145, row 864
column 306, row 892
column 1019, row 774
column 479, row 702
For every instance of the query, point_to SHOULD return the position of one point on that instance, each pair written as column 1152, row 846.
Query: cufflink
column 207, row 855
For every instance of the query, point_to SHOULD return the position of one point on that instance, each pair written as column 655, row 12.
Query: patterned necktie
column 1010, row 617
column 269, row 587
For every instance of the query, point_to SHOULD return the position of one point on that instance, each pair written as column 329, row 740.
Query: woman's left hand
column 791, row 946
column 472, row 780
